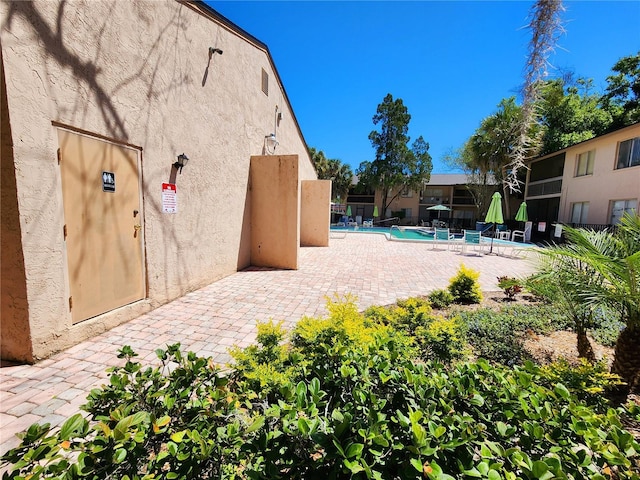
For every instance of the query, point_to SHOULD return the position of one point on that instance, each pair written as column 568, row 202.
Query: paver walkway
column 211, row 319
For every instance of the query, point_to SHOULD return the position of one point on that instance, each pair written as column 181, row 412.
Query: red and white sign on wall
column 169, row 198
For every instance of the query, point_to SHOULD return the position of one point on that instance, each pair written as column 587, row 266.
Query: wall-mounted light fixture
column 270, row 143
column 182, row 161
column 214, row 50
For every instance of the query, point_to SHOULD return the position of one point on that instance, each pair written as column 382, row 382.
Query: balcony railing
column 360, row 198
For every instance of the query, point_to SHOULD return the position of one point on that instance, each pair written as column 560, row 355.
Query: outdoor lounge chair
column 442, row 236
column 517, row 234
column 472, row 239
column 502, row 232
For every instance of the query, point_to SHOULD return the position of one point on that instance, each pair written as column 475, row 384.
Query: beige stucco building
column 99, row 222
column 447, row 189
column 591, row 183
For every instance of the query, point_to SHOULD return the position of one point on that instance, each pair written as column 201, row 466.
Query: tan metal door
column 103, row 224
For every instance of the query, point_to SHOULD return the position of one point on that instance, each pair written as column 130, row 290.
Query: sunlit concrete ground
column 210, row 320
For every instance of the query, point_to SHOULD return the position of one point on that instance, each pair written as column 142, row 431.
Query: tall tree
column 339, row 173
column 622, row 98
column 570, row 113
column 396, row 166
column 487, row 154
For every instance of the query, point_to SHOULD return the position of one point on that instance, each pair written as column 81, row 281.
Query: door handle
column 136, row 229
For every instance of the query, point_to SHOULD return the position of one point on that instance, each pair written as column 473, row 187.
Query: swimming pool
column 417, row 234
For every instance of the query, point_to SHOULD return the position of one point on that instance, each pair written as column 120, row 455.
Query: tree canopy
column 622, row 97
column 570, row 114
column 339, row 173
column 396, row 165
column 569, row 111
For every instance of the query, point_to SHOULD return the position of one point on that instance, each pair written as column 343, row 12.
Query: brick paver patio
column 224, row 313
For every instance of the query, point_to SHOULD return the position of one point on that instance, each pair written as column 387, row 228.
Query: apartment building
column 591, row 183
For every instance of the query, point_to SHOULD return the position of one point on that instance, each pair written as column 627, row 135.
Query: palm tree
column 339, row 173
column 555, row 280
column 603, row 269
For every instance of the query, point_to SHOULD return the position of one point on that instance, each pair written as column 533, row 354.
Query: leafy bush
column 440, row 298
column 268, row 365
column 541, row 319
column 356, row 405
column 442, row 339
column 436, row 337
column 608, row 327
column 493, row 337
column 510, row 286
column 587, row 381
column 181, row 420
column 369, row 417
column 464, row 287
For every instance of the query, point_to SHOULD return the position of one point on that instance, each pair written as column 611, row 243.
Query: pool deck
column 210, row 320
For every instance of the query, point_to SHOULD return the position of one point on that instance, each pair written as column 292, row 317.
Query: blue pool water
column 415, row 235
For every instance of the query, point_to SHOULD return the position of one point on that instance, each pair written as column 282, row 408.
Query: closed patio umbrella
column 494, row 215
column 522, row 216
column 348, row 211
column 375, row 210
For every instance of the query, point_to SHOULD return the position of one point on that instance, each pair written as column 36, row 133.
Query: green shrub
column 370, row 417
column 359, row 407
column 269, row 364
column 587, row 381
column 541, row 319
column 436, row 337
column 608, row 327
column 464, row 287
column 344, row 327
column 442, row 339
column 499, row 335
column 440, row 298
column 181, row 420
column 492, row 336
column 510, row 286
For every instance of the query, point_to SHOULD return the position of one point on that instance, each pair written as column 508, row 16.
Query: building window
column 265, row 82
column 585, row 163
column 629, row 153
column 433, row 192
column 407, row 212
column 432, row 195
column 406, row 192
column 620, row 207
column 579, row 212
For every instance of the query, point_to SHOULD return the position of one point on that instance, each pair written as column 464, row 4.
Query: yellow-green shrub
column 345, row 327
column 465, row 287
column 443, row 339
column 267, row 365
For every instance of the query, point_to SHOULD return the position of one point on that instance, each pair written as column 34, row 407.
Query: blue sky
column 451, row 62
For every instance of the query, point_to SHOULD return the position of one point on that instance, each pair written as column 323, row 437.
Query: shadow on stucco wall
column 244, row 248
column 87, row 68
column 15, row 332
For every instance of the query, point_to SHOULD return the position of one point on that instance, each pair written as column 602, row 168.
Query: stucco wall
column 15, row 337
column 138, row 73
column 315, row 207
column 275, row 211
column 606, row 184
